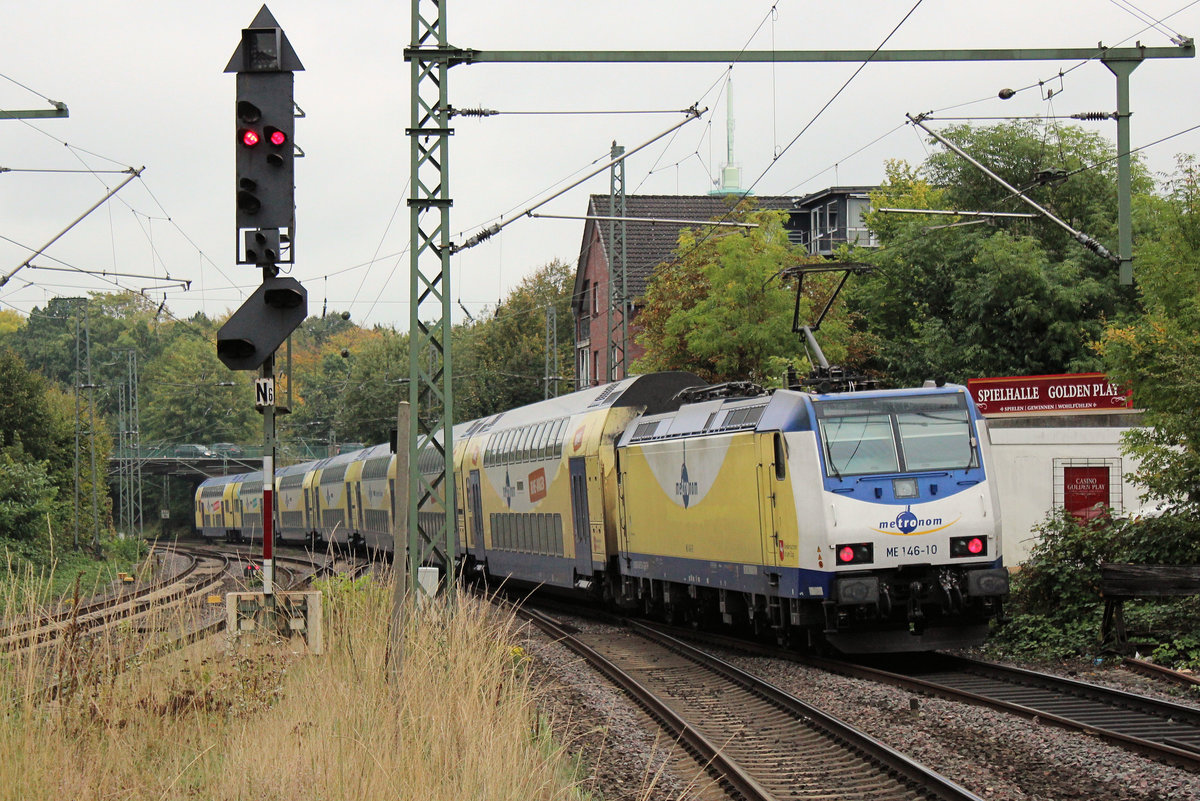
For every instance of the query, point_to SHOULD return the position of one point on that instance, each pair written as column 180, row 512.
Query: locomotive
column 865, row 520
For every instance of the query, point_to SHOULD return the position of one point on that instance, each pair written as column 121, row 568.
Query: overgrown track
column 1160, row 672
column 200, row 576
column 298, row 565
column 757, row 741
column 1158, row 729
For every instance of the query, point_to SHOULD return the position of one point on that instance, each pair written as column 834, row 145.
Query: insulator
column 1094, row 115
column 473, row 112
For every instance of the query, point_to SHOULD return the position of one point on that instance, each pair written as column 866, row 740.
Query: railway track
column 758, row 742
column 202, row 575
column 1159, row 729
column 1159, row 672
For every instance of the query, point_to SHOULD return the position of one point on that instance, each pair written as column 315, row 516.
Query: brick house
column 648, row 242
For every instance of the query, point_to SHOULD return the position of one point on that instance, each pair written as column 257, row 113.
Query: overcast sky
column 144, row 83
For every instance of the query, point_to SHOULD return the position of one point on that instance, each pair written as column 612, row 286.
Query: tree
column 376, row 383
column 1158, row 355
column 1037, row 158
column 37, row 458
column 25, row 422
column 10, row 323
column 28, row 509
column 721, row 310
column 192, row 397
column 500, row 362
column 955, row 300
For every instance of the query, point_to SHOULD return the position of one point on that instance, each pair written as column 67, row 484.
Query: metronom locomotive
column 866, row 520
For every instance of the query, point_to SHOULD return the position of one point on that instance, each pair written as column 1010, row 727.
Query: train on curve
column 866, row 520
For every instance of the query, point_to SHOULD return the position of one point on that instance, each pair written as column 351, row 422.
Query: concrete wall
column 1029, row 455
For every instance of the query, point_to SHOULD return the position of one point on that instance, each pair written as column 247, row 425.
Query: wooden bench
column 1119, row 583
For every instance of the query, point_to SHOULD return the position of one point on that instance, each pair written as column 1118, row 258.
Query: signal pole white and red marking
column 268, row 517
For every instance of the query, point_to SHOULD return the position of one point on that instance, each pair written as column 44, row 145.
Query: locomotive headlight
column 905, row 487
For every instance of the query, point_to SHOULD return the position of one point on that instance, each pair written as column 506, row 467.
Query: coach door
column 475, row 513
column 580, row 518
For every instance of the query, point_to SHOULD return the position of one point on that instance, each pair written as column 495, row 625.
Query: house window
column 583, row 369
column 595, row 299
column 595, row 365
column 583, row 305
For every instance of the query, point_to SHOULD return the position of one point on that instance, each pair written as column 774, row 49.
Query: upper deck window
column 896, row 435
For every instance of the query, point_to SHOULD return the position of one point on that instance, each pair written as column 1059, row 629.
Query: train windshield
column 896, row 435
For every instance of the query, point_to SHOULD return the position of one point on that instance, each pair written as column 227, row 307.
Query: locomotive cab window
column 896, row 435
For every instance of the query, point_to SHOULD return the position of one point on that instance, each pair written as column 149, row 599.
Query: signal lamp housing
column 860, row 553
column 968, row 547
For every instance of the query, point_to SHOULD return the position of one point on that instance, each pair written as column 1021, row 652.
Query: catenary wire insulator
column 472, row 112
column 1094, row 115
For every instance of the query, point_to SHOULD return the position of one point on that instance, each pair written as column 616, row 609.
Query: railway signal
column 266, row 221
column 265, row 124
column 263, row 322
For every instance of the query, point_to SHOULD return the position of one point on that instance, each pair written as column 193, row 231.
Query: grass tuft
column 263, row 719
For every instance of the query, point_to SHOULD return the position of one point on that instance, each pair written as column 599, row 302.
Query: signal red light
column 277, row 138
column 975, row 545
column 250, row 138
column 846, row 554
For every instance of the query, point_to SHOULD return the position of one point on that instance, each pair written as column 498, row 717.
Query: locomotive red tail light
column 861, row 553
column 968, row 546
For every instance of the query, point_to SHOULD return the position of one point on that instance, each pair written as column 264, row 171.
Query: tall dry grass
column 265, row 720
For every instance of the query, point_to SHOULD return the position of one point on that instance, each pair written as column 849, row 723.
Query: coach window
column 543, row 438
column 563, row 434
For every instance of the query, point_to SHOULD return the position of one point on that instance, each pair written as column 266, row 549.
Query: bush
column 1056, row 604
column 28, row 512
column 1061, row 579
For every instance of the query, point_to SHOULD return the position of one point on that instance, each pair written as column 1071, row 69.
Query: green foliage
column 1158, row 354
column 24, row 418
column 1182, row 652
column 1023, row 153
column 721, row 311
column 193, row 397
column 1062, row 575
column 28, row 511
column 1056, row 604
column 376, row 382
column 1045, row 637
column 37, row 461
column 1010, row 297
column 500, row 362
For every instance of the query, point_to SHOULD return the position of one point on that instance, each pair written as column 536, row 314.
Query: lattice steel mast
column 431, row 537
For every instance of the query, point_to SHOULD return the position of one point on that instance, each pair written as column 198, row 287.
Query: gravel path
column 995, row 755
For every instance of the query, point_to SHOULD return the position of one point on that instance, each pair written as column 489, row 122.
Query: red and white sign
column 1085, row 491
column 537, row 485
column 1073, row 392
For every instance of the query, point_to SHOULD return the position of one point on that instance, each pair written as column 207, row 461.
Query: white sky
column 145, row 86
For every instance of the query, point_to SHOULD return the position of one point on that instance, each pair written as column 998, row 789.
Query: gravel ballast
column 993, row 754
